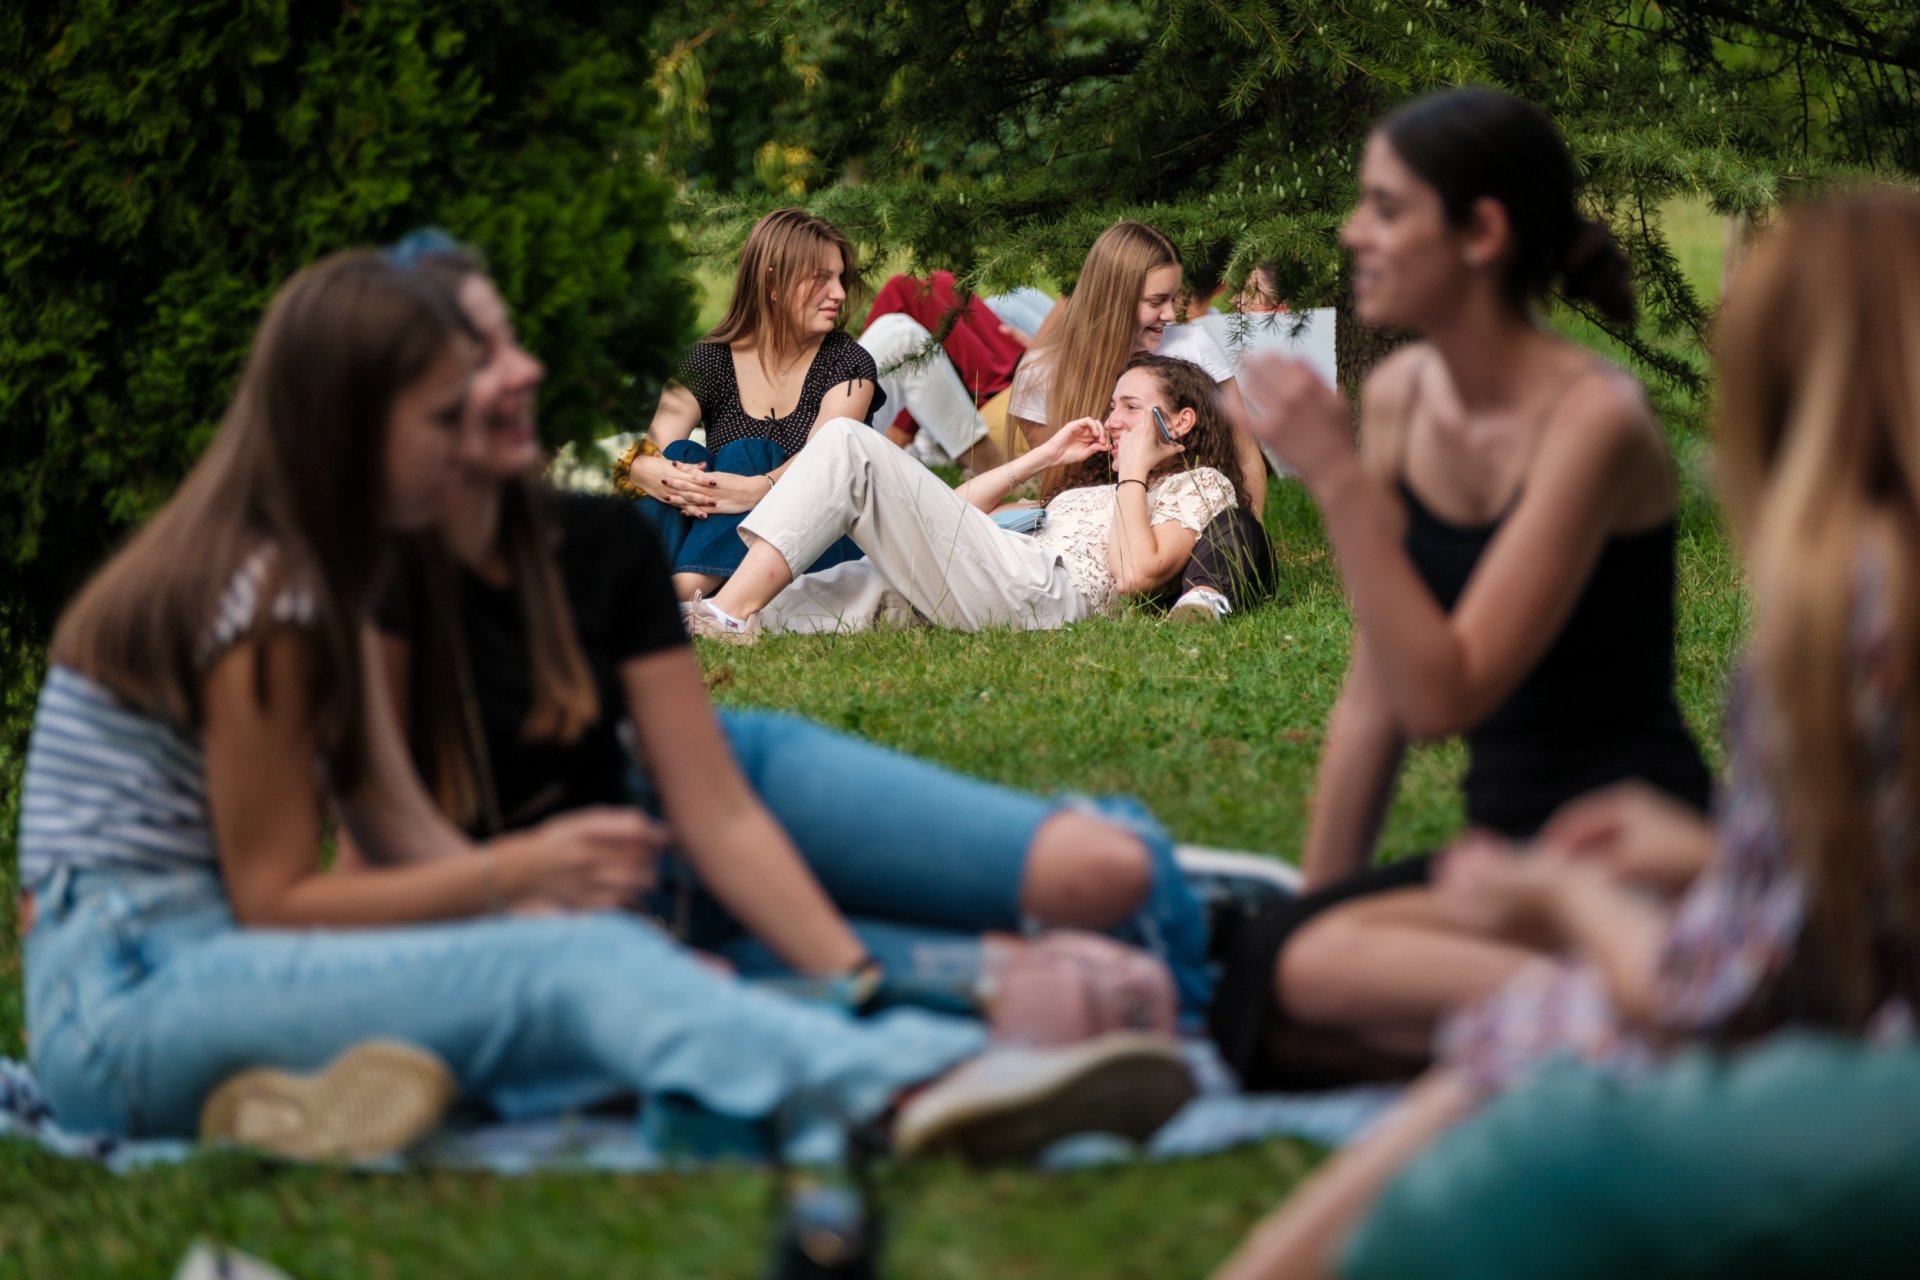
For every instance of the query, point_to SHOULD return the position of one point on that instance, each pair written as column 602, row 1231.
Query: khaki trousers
column 929, row 548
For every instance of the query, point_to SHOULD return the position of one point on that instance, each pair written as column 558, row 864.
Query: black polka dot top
column 707, row 371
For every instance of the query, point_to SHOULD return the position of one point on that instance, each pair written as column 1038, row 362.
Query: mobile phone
column 1160, row 423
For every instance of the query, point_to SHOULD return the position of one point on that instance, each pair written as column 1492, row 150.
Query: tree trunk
column 1357, row 347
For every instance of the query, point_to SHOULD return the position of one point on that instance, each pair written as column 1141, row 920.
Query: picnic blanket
column 1220, row 1118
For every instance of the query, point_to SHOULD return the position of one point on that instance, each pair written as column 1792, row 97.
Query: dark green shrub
column 169, row 162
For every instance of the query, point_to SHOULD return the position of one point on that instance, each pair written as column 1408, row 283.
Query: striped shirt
column 109, row 786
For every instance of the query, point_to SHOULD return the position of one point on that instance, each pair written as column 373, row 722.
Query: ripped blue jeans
column 923, row 860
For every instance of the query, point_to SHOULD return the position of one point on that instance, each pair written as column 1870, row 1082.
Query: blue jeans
column 923, row 860
column 712, row 544
column 143, row 994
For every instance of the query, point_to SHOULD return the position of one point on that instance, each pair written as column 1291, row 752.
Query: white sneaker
column 701, row 617
column 1011, row 1103
column 1200, row 604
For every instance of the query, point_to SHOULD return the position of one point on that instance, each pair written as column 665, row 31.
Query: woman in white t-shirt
column 1125, row 305
column 1145, row 480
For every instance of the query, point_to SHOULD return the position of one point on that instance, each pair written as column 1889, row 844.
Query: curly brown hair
column 1210, row 444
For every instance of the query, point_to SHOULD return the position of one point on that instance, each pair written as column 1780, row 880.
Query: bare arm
column 261, row 788
column 1360, row 762
column 1142, row 555
column 388, row 675
column 740, row 852
column 1034, row 433
column 1620, row 931
column 675, row 418
column 1081, row 439
column 1359, row 765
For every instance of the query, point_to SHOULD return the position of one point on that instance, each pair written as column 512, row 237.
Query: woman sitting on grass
column 1808, row 910
column 514, row 661
column 777, row 366
column 1506, row 533
column 1146, row 481
column 209, row 703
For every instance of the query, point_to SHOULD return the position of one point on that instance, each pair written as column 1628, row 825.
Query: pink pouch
column 1065, row 986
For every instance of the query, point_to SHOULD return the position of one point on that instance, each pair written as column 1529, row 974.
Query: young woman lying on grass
column 1125, row 304
column 1145, row 481
column 209, row 701
column 1808, row 910
column 514, row 660
column 1506, row 533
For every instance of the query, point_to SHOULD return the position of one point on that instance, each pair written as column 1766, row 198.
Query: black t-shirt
column 618, row 586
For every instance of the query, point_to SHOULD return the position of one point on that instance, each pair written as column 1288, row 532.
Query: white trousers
column 917, row 376
column 938, row 555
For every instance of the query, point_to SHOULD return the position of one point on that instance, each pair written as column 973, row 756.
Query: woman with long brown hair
column 778, row 365
column 1807, row 911
column 209, row 702
column 1126, row 303
column 1153, row 479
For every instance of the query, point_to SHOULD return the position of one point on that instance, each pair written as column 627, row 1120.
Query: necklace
column 787, row 372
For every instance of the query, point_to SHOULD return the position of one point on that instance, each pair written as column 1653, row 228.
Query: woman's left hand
column 727, row 494
column 1299, row 416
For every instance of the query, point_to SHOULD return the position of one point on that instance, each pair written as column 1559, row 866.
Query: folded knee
column 1087, row 872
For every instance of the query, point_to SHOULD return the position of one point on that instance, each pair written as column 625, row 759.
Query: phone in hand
column 1160, row 424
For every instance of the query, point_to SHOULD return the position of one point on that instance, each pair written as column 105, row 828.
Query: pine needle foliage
column 997, row 137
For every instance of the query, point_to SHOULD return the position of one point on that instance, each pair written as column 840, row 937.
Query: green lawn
column 1217, row 729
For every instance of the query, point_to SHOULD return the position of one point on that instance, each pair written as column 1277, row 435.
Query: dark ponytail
column 1474, row 144
column 1596, row 271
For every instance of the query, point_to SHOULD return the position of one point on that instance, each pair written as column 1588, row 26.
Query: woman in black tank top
column 1506, row 534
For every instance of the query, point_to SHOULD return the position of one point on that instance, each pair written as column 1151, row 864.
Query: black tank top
column 1598, row 707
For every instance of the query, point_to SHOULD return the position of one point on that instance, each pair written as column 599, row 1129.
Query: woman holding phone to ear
column 1124, row 525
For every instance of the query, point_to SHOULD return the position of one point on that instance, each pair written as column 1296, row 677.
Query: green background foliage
column 167, row 165
column 997, row 137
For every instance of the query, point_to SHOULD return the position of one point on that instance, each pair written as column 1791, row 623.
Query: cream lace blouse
column 1080, row 524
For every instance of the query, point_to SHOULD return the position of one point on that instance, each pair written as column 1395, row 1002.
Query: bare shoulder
column 1606, row 412
column 1605, row 433
column 1386, row 402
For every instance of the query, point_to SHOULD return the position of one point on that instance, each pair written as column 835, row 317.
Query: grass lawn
column 1218, row 729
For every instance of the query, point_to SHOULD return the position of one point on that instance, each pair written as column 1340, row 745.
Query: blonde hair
column 1819, row 417
column 1087, row 350
column 783, row 253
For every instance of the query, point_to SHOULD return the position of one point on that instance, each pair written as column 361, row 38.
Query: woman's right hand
column 596, row 859
column 1077, row 441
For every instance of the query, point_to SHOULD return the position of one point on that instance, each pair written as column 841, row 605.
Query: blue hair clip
column 421, row 243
